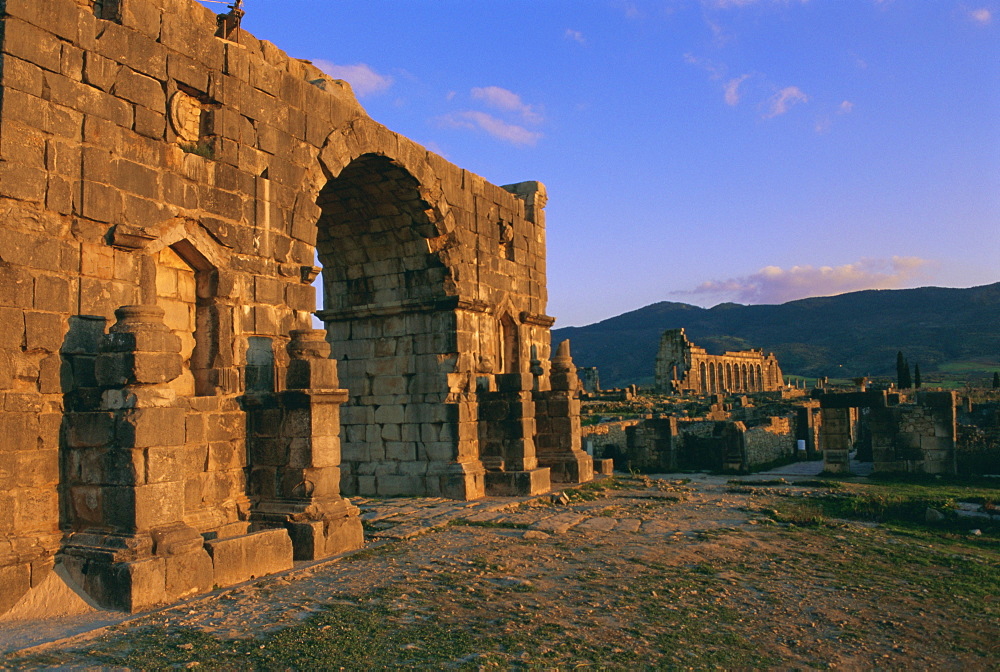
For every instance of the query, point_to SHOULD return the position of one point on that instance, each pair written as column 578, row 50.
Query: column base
column 317, row 529
column 139, row 572
column 518, row 483
column 134, row 573
column 463, row 481
column 836, row 462
column 605, row 467
column 572, row 468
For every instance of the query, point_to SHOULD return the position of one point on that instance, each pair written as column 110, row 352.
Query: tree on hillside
column 903, row 379
column 916, row 376
column 996, row 380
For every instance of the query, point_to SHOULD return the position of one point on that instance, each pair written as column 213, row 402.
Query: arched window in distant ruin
column 728, row 385
column 703, row 384
column 712, row 379
column 746, row 378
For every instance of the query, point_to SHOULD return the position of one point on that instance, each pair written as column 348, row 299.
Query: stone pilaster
column 558, row 419
column 506, row 438
column 835, row 440
column 297, row 458
column 129, row 547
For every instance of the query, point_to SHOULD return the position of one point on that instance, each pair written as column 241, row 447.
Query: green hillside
column 844, row 336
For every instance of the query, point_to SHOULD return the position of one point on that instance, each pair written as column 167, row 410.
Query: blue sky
column 700, row 151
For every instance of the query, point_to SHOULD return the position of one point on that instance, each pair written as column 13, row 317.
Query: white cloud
column 783, row 101
column 575, row 35
column 472, row 119
column 846, row 107
column 982, row 16
column 362, row 78
column 773, row 284
column 733, row 90
column 508, row 101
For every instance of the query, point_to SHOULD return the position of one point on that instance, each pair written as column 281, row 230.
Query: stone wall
column 653, row 445
column 767, row 444
column 915, row 437
column 166, row 186
column 668, row 444
column 606, row 439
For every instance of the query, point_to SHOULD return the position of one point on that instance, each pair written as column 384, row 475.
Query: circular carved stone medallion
column 185, row 117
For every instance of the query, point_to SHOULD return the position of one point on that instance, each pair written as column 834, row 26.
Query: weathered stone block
column 31, row 43
column 44, row 331
column 149, row 427
column 15, row 581
column 240, row 559
column 99, row 71
column 518, row 483
column 322, row 539
column 188, row 574
column 125, row 586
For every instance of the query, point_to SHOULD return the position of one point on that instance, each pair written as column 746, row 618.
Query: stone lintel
column 306, row 398
column 131, row 237
column 873, row 399
column 537, row 319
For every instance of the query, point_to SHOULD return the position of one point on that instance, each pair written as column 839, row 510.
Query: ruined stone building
column 170, row 420
column 682, row 367
column 917, row 436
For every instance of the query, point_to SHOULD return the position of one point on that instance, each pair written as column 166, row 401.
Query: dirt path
column 647, row 572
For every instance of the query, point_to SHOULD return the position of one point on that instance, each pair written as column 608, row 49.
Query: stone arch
column 703, row 379
column 727, row 371
column 745, row 378
column 363, row 137
column 372, row 238
column 388, row 306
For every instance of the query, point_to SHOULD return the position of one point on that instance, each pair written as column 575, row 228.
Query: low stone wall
column 769, row 443
column 599, row 438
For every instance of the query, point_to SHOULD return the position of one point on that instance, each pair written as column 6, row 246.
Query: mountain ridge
column 847, row 335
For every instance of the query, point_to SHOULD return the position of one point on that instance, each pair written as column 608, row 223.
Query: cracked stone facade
column 171, row 186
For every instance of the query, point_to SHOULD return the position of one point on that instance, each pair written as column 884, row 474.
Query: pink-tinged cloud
column 982, row 16
column 499, row 129
column 733, row 90
column 362, row 78
column 846, row 107
column 508, row 101
column 714, row 70
column 575, row 35
column 773, row 284
column 784, row 100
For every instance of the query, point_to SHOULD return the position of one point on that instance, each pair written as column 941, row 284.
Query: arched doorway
column 390, row 326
